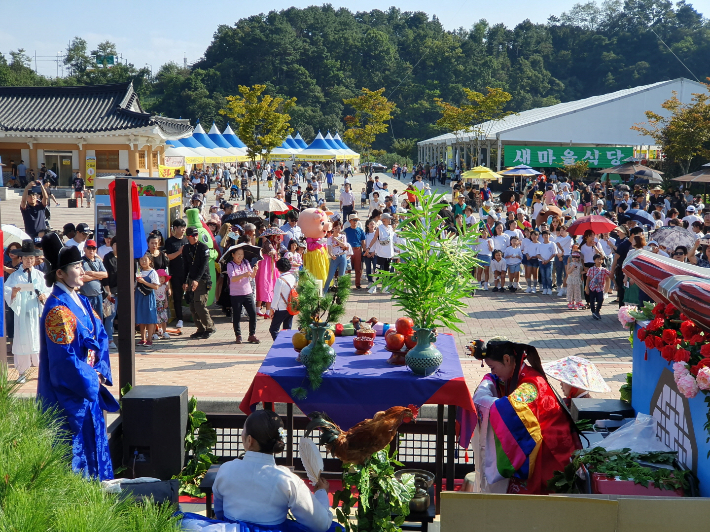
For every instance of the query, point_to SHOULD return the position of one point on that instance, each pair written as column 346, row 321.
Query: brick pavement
column 218, row 369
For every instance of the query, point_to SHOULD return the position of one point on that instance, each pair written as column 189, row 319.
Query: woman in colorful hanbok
column 524, row 434
column 74, row 365
column 25, row 293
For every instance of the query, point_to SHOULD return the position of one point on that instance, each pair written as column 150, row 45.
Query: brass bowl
column 422, row 478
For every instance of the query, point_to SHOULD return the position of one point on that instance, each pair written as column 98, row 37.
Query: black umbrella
column 250, row 252
column 242, row 217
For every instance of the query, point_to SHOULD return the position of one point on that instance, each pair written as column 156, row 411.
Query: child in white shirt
column 513, row 256
column 564, row 247
column 546, row 251
column 498, row 267
column 531, row 261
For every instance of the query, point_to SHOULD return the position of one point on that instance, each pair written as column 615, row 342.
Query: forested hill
column 321, row 55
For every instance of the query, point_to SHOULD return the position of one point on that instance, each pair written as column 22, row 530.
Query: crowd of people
column 524, row 244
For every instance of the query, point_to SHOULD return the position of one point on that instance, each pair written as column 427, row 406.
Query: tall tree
column 476, row 109
column 263, row 121
column 685, row 132
column 372, row 111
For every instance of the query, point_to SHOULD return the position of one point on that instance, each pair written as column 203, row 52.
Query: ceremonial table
column 358, row 386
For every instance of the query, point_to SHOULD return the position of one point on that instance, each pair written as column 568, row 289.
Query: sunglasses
column 678, row 253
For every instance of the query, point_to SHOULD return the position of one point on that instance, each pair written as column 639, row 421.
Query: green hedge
column 38, row 490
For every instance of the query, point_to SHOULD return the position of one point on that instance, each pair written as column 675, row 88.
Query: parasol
column 242, row 217
column 480, row 172
column 578, row 372
column 12, row 234
column 597, row 224
column 640, row 216
column 250, row 252
column 521, row 169
column 270, row 205
column 551, row 211
column 644, row 177
column 701, row 176
column 627, row 168
column 311, row 458
column 672, row 237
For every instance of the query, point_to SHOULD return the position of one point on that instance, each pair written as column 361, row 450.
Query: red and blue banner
column 140, row 245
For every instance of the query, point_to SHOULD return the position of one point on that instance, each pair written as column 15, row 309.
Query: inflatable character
column 315, row 225
column 205, row 236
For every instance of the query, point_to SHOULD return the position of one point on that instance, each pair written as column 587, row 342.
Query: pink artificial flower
column 703, row 378
column 687, row 385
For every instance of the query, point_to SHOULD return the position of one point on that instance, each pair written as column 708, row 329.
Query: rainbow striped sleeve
column 517, row 432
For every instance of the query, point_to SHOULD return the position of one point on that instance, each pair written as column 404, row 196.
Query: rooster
column 364, row 439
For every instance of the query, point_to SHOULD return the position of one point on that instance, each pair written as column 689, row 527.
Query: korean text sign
column 559, row 156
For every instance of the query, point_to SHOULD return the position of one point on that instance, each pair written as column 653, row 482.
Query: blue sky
column 156, row 32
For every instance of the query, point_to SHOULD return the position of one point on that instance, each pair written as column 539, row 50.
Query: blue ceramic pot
column 424, row 358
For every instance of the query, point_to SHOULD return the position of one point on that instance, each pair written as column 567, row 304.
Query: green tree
column 372, row 111
column 473, row 112
column 77, row 58
column 263, row 121
column 404, row 147
column 685, row 132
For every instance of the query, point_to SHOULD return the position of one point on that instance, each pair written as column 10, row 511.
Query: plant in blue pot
column 433, row 276
column 316, row 313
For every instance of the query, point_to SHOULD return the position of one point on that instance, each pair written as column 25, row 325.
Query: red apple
column 410, row 341
column 404, row 326
column 390, row 331
column 394, row 341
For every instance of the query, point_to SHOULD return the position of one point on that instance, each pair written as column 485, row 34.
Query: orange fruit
column 329, row 337
column 299, row 340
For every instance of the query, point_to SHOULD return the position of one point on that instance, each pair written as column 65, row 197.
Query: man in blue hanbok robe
column 74, row 363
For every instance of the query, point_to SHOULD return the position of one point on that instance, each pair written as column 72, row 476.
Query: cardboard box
column 483, row 512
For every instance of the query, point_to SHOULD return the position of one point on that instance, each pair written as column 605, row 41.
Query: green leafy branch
column 380, row 495
column 623, row 464
column 434, row 274
column 199, row 441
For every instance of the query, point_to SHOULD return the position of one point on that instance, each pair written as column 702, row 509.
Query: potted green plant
column 382, row 499
column 433, row 276
column 316, row 313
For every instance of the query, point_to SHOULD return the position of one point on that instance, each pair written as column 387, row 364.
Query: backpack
column 292, row 301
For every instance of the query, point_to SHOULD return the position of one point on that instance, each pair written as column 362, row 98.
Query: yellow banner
column 213, row 159
column 194, row 160
column 169, row 171
column 303, row 156
column 90, row 171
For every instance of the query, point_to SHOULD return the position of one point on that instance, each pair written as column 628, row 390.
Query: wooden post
column 126, row 280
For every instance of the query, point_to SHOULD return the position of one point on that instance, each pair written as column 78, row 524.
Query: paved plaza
column 218, row 369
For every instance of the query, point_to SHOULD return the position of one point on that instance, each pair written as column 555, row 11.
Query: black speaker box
column 71, row 203
column 154, row 425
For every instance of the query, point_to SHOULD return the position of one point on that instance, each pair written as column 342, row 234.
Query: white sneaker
column 516, row 285
column 485, row 285
column 166, row 335
column 561, row 292
column 155, row 336
column 529, row 290
column 385, row 291
column 533, row 290
column 112, row 345
column 372, row 289
column 178, row 325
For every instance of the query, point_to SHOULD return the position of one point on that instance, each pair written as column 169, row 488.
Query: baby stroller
column 234, row 192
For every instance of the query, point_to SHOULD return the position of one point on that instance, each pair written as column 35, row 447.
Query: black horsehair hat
column 58, row 255
column 28, row 249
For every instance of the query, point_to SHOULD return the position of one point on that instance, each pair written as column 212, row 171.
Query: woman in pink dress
column 267, row 273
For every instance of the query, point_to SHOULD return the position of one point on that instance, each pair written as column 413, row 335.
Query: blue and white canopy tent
column 298, row 139
column 318, row 150
column 216, row 137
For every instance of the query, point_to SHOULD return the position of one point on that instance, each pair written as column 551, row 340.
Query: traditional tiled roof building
column 63, row 126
